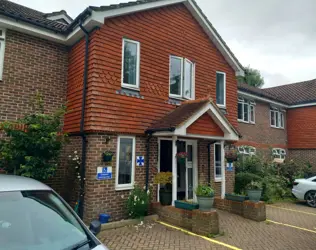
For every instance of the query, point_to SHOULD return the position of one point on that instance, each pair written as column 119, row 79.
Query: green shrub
column 138, row 202
column 275, row 188
column 203, row 190
column 243, row 179
column 251, row 164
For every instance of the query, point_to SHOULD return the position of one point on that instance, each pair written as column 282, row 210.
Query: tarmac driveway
column 288, row 226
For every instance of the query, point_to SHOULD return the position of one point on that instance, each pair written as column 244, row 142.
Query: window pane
column 281, row 120
column 272, row 114
column 277, row 121
column 220, row 85
column 130, row 63
column 188, row 74
column 218, row 167
column 252, row 113
column 125, row 161
column 246, row 112
column 190, row 183
column 240, row 111
column 189, row 148
column 175, row 76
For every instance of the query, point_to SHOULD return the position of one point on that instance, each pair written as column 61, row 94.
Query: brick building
column 145, row 80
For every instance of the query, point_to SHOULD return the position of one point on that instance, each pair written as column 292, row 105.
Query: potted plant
column 107, row 156
column 181, row 156
column 254, row 190
column 236, row 197
column 205, row 197
column 165, row 192
column 231, row 155
column 187, row 205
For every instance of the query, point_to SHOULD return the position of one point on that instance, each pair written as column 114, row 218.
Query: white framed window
column 246, row 150
column 279, row 153
column 125, row 163
column 130, row 64
column 218, row 162
column 246, row 111
column 221, row 89
column 2, row 48
column 181, row 78
column 276, row 117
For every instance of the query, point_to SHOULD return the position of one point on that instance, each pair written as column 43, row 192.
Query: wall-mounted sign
column 104, row 173
column 140, row 161
column 229, row 167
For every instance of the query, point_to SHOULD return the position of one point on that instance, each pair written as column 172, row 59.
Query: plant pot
column 107, row 158
column 205, row 203
column 254, row 194
column 230, row 160
column 181, row 160
column 235, row 197
column 165, row 197
column 186, row 205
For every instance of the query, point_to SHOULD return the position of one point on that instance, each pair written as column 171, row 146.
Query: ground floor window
column 279, row 153
column 125, row 162
column 218, row 161
column 246, row 150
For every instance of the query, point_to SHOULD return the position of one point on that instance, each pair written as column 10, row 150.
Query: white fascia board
column 215, row 39
column 60, row 16
column 99, row 16
column 245, row 94
column 302, row 105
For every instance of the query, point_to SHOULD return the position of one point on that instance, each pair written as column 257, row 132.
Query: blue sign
column 140, row 161
column 230, row 167
column 104, row 173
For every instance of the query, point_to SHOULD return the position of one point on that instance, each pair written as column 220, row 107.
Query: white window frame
column 221, row 105
column 279, row 153
column 183, row 61
column 217, row 179
column 131, row 185
column 243, row 150
column 126, row 85
column 251, row 104
column 2, row 49
column 273, row 112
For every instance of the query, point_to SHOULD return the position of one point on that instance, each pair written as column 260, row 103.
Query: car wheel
column 311, row 198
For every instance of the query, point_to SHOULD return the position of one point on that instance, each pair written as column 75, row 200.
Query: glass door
column 189, row 173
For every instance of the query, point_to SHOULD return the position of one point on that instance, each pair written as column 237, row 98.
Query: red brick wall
column 261, row 135
column 205, row 126
column 302, row 128
column 31, row 64
column 304, row 156
column 161, row 33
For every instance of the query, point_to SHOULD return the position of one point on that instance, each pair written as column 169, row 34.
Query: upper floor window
column 246, row 110
column 246, row 150
column 278, row 153
column 276, row 118
column 130, row 64
column 221, row 89
column 181, row 78
column 2, row 45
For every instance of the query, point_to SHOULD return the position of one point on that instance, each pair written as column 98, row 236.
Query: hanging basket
column 181, row 160
column 107, row 158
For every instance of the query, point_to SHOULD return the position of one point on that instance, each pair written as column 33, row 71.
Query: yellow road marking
column 287, row 225
column 293, row 210
column 203, row 237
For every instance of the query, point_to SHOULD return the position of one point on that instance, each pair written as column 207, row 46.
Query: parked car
column 305, row 189
column 33, row 216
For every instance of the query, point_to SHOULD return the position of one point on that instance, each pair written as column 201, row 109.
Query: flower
column 69, row 156
column 75, row 152
column 143, row 202
column 148, row 192
column 122, row 196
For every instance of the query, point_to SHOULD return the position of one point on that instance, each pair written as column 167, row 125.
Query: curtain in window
column 130, row 63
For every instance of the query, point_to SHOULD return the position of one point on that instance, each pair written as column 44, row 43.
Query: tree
column 252, row 77
column 32, row 145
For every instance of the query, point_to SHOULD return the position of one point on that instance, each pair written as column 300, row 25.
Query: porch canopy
column 196, row 119
column 193, row 120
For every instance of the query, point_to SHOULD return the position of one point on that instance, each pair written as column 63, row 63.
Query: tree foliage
column 252, row 77
column 32, row 145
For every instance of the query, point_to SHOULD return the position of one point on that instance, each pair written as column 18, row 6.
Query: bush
column 251, row 164
column 243, row 179
column 138, row 202
column 275, row 188
column 205, row 191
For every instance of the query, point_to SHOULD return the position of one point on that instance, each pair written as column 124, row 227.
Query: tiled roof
column 29, row 15
column 290, row 94
column 179, row 115
column 295, row 93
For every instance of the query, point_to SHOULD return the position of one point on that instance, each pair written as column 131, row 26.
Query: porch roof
column 178, row 120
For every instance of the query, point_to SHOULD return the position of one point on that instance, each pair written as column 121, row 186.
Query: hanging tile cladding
column 161, row 33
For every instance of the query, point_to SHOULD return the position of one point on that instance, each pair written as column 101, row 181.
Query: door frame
column 194, row 165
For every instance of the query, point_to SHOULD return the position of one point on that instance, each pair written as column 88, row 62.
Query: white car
column 35, row 217
column 305, row 189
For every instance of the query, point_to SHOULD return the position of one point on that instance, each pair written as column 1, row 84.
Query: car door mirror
column 95, row 227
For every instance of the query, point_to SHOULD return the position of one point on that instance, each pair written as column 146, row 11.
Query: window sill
column 276, row 127
column 218, row 179
column 122, row 188
column 250, row 123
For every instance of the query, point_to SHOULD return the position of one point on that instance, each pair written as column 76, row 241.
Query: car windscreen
column 37, row 220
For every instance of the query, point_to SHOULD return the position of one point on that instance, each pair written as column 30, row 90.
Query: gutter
column 82, row 121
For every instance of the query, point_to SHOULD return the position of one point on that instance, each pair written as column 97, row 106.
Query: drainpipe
column 82, row 132
column 209, row 162
column 147, row 160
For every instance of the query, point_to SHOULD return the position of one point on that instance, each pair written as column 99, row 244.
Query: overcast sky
column 275, row 36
